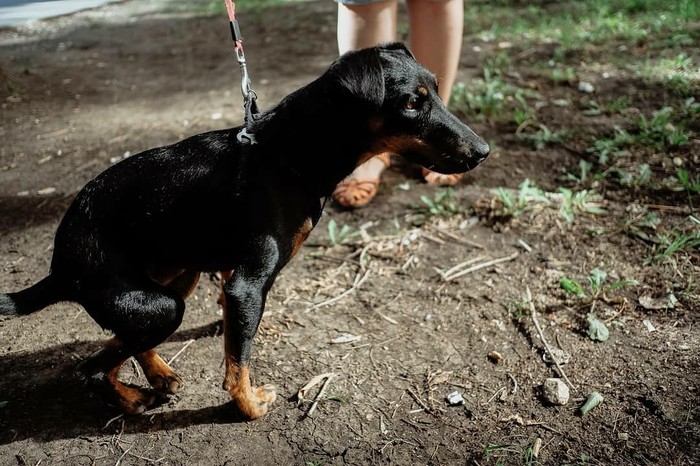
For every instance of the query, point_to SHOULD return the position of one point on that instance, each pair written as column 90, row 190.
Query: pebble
column 555, row 391
column 586, row 87
column 495, row 357
column 454, row 399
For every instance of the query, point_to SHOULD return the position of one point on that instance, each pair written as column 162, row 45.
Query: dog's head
column 409, row 119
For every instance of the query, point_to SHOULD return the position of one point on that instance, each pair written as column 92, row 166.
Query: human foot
column 361, row 186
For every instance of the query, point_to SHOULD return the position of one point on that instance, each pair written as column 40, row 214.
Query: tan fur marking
column 131, row 400
column 252, row 402
column 159, row 374
column 398, row 144
column 301, row 236
column 422, row 90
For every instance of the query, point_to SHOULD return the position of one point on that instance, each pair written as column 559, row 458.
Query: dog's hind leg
column 159, row 374
column 140, row 319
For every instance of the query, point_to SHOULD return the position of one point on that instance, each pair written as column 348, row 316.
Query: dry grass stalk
column 533, row 313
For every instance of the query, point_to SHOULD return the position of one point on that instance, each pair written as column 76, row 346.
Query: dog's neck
column 316, row 135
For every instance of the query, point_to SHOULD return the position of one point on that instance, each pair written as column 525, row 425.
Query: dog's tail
column 30, row 300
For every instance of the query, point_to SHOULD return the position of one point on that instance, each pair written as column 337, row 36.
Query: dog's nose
column 481, row 149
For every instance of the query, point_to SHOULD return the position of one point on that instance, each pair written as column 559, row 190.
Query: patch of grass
column 574, row 24
column 513, row 205
column 489, row 99
column 442, row 204
column 563, row 75
column 579, row 201
column 679, row 74
column 660, row 132
column 596, row 280
column 678, row 240
column 341, row 235
column 611, row 107
column 509, row 203
column 544, row 137
column 611, row 146
column 664, row 130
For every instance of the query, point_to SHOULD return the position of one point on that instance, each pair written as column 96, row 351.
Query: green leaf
column 3, row 404
column 597, row 278
column 597, row 330
column 622, row 283
column 572, row 286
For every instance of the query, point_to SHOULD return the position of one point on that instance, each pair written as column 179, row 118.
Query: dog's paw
column 166, row 384
column 135, row 400
column 255, row 402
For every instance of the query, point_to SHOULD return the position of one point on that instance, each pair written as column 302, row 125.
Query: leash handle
column 238, row 44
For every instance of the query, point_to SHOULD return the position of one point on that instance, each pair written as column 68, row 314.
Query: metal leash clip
column 249, row 95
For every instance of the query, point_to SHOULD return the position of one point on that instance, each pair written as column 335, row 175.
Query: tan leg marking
column 131, row 400
column 301, row 236
column 162, row 378
column 252, row 402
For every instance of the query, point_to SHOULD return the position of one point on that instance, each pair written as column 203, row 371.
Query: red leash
column 249, row 95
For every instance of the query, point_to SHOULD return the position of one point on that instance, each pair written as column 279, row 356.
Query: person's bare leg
column 361, row 26
column 366, row 25
column 436, row 29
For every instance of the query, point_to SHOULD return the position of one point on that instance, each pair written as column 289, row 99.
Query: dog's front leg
column 244, row 303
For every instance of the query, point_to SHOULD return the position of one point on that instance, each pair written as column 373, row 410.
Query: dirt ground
column 82, row 92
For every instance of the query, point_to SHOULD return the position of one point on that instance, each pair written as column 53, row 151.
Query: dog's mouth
column 458, row 160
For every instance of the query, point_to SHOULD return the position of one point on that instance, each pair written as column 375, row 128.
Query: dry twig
column 355, row 286
column 533, row 313
column 182, row 350
column 483, row 265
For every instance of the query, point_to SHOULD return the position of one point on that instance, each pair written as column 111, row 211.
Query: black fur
column 209, row 204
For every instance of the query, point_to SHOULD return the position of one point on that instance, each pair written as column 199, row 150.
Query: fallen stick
column 459, row 239
column 182, row 350
column 533, row 312
column 418, row 400
column 320, row 394
column 483, row 265
column 329, row 301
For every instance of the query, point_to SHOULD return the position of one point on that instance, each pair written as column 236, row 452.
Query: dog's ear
column 360, row 75
column 397, row 46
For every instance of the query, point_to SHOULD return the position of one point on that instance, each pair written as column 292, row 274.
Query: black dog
column 130, row 248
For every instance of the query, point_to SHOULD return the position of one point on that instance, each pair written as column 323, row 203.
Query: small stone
column 555, row 391
column 677, row 161
column 586, row 87
column 454, row 399
column 495, row 357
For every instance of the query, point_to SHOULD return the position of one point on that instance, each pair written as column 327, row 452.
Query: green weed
column 607, row 147
column 659, row 131
column 442, row 204
column 579, row 201
column 596, row 280
column 514, row 205
column 342, row 235
column 679, row 74
column 544, row 137
column 567, row 75
column 584, row 170
column 676, row 241
column 489, row 99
